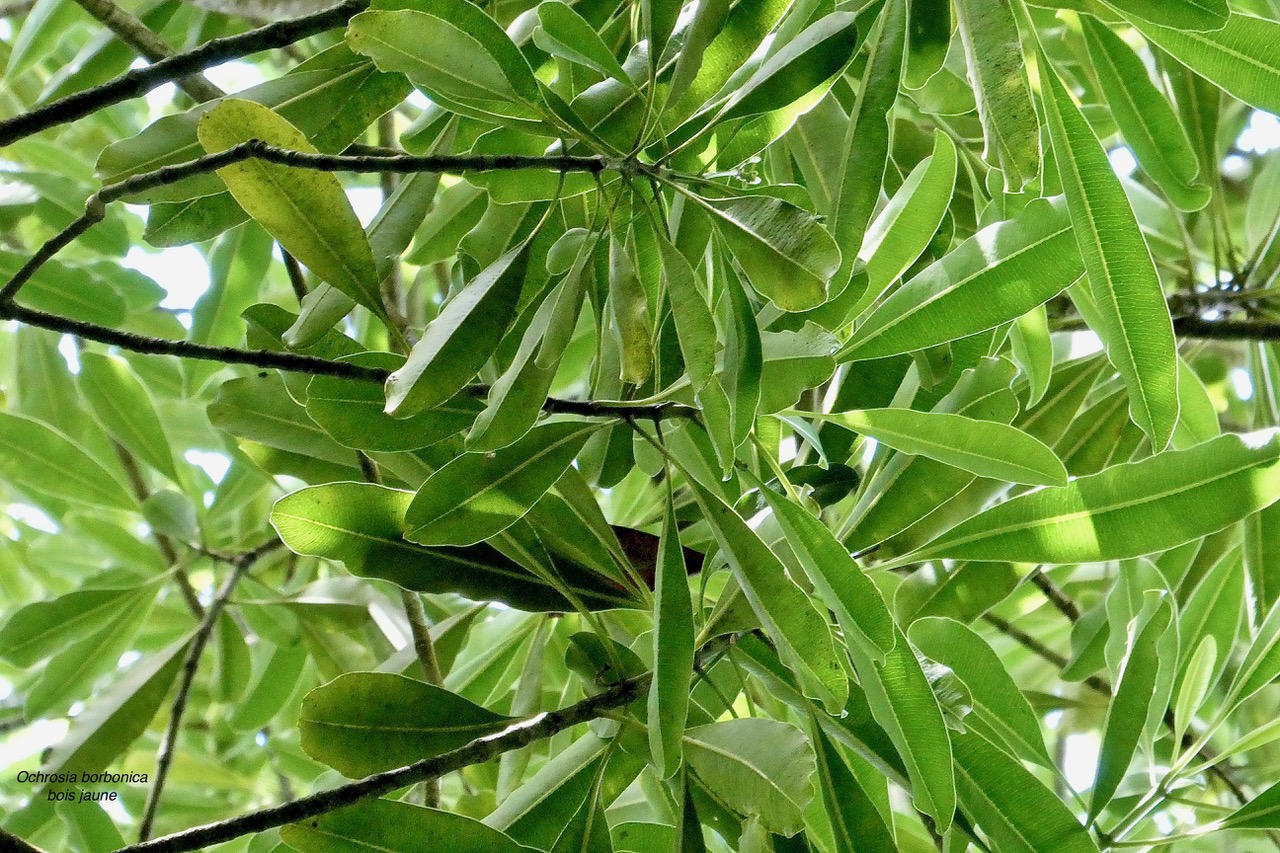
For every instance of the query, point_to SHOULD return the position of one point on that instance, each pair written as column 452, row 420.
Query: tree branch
column 478, row 751
column 164, row 758
column 95, row 208
column 138, row 82
column 133, row 32
column 1226, row 330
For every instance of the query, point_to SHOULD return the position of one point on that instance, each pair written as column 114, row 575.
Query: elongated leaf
column 694, row 324
column 458, row 342
column 114, row 720
column 1198, row 15
column 1262, row 812
column 123, row 406
column 1002, row 709
column 1126, row 510
column 367, row 722
column 837, row 578
column 1261, row 665
column 673, row 649
column 564, row 33
column 1134, row 319
column 758, row 767
column 907, row 224
column 998, row 72
column 480, row 494
column 902, row 701
column 1195, row 685
column 1013, row 807
column 351, row 411
column 363, row 526
column 866, row 141
column 999, row 274
column 305, row 210
column 380, row 825
column 1240, row 57
column 36, row 456
column 629, row 305
column 1131, row 705
column 802, row 634
column 986, row 448
column 785, row 253
column 856, row 824
column 472, row 63
column 44, row 628
column 1146, row 119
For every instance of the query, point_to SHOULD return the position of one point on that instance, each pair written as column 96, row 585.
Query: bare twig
column 517, row 735
column 296, row 279
column 139, row 81
column 133, row 32
column 426, row 649
column 190, row 666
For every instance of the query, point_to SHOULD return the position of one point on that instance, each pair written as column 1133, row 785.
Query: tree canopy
column 722, row 425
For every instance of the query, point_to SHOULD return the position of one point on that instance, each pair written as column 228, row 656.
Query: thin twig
column 95, row 208
column 1226, row 330
column 190, row 666
column 483, row 749
column 426, row 649
column 139, row 81
column 137, row 35
column 1056, row 596
column 296, row 279
column 10, row 843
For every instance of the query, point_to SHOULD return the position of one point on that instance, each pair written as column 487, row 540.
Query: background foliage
column 760, row 425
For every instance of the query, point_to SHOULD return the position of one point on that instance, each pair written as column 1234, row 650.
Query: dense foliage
column 742, row 425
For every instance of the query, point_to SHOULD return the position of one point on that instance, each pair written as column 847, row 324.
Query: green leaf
column 673, row 650
column 1239, row 57
column 564, row 33
column 458, row 342
column 124, row 408
column 351, row 411
column 758, row 767
column 856, row 824
column 629, row 309
column 902, row 701
column 37, row 631
column 1146, row 118
column 1261, row 665
column 837, row 578
column 999, row 274
column 1131, row 704
column 866, row 140
column 1013, row 807
column 695, row 326
column 908, row 222
column 1126, row 510
column 35, row 456
column 1196, row 682
column 381, row 825
column 362, row 525
column 480, row 494
column 789, row 617
column 986, row 448
column 784, row 252
column 1134, row 319
column 998, row 704
column 472, row 63
column 1194, row 15
column 368, row 722
column 998, row 72
column 305, row 210
column 1262, row 812
column 113, row 721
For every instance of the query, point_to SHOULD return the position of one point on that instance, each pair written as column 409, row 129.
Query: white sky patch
column 1123, row 163
column 419, row 100
column 67, row 347
column 1084, row 343
column 182, row 271
column 1261, row 135
column 366, row 201
column 234, row 76
column 29, row 741
column 1242, row 384
column 1081, row 760
column 214, row 464
column 32, row 517
column 1236, row 168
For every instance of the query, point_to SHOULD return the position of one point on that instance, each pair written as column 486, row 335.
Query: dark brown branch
column 1226, row 330
column 138, row 82
column 190, row 666
column 133, row 32
column 184, row 349
column 10, row 843
column 95, row 207
column 296, row 279
column 1056, row 596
